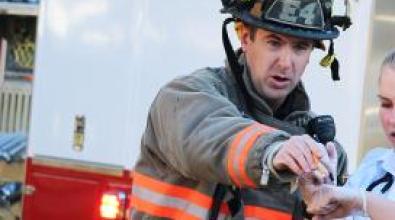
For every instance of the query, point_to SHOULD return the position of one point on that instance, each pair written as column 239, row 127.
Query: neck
column 274, row 104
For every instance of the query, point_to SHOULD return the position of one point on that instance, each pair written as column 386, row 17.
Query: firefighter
column 229, row 142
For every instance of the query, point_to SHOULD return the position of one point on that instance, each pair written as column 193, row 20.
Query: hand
column 328, row 202
column 302, row 154
column 310, row 186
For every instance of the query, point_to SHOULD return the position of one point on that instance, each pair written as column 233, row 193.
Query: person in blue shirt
column 370, row 191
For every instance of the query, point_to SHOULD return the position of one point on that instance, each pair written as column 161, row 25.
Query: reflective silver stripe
column 133, row 212
column 251, row 218
column 169, row 201
column 246, row 137
column 222, row 216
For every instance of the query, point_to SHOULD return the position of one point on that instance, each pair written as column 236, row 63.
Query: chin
column 279, row 94
column 391, row 140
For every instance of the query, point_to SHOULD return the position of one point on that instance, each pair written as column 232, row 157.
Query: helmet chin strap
column 235, row 67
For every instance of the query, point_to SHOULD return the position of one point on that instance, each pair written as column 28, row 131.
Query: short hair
column 252, row 30
column 389, row 61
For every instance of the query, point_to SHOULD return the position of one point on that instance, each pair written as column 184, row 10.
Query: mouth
column 280, row 78
column 280, row 82
column 391, row 137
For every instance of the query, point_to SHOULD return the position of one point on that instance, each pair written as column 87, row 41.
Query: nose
column 285, row 61
column 392, row 117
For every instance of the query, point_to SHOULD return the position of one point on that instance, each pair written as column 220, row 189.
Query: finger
column 327, row 209
column 318, row 177
column 291, row 164
column 321, row 203
column 332, row 154
column 316, row 148
column 284, row 160
column 304, row 146
column 302, row 155
column 325, row 165
column 324, row 210
column 307, row 187
column 316, row 207
column 311, row 178
column 317, row 217
column 338, row 213
column 331, row 149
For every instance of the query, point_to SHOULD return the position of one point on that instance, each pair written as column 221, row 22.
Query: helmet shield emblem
column 302, row 13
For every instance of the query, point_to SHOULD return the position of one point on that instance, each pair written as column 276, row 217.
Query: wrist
column 363, row 204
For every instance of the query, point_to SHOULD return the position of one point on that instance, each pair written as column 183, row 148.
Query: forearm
column 380, row 208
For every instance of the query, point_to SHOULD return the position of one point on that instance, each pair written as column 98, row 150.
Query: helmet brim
column 293, row 31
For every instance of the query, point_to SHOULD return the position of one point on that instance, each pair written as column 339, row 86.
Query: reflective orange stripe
column 265, row 213
column 172, row 190
column 232, row 154
column 243, row 158
column 239, row 150
column 161, row 211
column 262, row 129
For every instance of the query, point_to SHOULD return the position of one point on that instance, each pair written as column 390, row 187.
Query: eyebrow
column 383, row 98
column 275, row 36
column 297, row 41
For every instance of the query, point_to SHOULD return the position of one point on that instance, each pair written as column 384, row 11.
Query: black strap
column 235, row 67
column 230, row 54
column 335, row 63
column 388, row 178
column 219, row 195
column 234, row 204
column 341, row 21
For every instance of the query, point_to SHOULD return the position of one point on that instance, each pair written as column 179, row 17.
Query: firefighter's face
column 276, row 62
column 387, row 102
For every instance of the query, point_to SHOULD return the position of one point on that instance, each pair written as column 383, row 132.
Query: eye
column 274, row 43
column 302, row 47
column 386, row 105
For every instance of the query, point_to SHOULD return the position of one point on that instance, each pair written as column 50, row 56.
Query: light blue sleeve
column 366, row 170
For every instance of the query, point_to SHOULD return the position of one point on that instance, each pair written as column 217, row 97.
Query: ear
column 244, row 36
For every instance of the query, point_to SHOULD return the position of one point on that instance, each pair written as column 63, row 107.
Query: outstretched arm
column 328, row 202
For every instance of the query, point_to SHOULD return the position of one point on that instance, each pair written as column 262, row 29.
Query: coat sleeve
column 196, row 131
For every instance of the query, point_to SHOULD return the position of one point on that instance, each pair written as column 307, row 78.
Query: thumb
column 332, row 153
